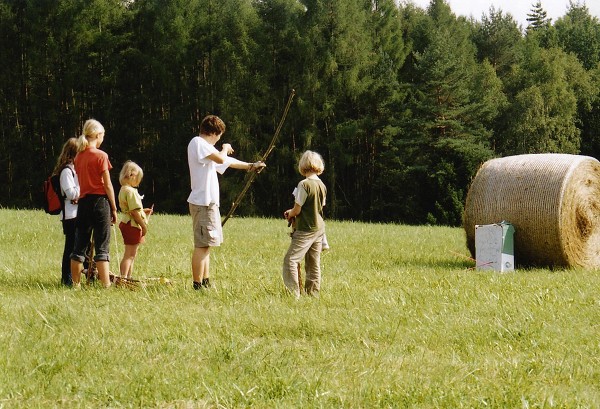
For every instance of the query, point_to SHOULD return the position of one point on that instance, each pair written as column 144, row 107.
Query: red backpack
column 54, row 201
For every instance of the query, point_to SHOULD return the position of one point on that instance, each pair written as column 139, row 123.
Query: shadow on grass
column 451, row 262
column 466, row 263
column 30, row 283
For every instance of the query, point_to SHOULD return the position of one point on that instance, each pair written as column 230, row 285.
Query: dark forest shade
column 403, row 103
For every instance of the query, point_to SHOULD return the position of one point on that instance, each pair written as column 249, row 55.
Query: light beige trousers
column 307, row 246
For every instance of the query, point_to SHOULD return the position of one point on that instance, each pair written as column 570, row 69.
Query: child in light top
column 307, row 239
column 69, row 190
column 134, row 217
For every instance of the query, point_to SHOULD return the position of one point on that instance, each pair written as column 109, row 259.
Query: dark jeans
column 69, row 231
column 93, row 215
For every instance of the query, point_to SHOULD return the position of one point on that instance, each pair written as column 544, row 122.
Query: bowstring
column 264, row 157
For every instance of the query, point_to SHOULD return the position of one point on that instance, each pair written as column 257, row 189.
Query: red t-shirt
column 89, row 166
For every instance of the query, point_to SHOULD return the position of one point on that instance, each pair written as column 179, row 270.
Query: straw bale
column 552, row 200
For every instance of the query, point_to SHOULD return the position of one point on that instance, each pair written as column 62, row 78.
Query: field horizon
column 403, row 320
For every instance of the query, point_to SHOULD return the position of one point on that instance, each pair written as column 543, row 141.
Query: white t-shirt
column 69, row 185
column 203, row 172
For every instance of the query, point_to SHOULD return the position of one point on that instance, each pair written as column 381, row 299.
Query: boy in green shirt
column 307, row 239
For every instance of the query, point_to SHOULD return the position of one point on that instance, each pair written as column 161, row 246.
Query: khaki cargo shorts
column 207, row 225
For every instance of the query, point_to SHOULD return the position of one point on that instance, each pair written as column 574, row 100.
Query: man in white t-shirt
column 205, row 161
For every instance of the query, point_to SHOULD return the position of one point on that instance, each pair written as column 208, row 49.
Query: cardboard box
column 494, row 247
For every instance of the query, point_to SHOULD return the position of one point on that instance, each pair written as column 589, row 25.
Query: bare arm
column 256, row 166
column 110, row 192
column 293, row 212
column 136, row 215
column 221, row 157
column 226, row 150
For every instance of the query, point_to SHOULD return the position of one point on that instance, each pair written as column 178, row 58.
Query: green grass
column 403, row 321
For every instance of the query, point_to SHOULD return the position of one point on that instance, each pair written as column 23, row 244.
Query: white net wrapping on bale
column 552, row 200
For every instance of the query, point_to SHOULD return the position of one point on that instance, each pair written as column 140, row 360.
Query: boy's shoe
column 202, row 285
column 324, row 244
column 314, row 294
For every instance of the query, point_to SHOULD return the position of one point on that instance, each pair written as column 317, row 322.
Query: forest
column 404, row 103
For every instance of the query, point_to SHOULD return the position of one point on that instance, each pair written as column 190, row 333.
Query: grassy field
column 403, row 321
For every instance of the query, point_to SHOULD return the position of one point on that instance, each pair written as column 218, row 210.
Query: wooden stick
column 252, row 176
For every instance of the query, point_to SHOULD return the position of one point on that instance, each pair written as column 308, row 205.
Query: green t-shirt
column 310, row 195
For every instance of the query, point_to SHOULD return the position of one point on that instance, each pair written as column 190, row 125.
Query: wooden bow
column 264, row 157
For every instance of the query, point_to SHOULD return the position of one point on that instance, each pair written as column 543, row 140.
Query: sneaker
column 314, row 294
column 324, row 244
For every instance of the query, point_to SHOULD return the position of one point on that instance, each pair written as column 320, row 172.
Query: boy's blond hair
column 311, row 162
column 131, row 171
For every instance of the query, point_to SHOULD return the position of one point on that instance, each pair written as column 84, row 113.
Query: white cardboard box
column 494, row 247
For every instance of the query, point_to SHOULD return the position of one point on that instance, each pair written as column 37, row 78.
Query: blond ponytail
column 91, row 129
column 82, row 143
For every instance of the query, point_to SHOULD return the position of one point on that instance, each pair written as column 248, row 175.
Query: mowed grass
column 402, row 321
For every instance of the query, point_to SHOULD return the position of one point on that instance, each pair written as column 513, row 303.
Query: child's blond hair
column 91, row 130
column 131, row 171
column 311, row 162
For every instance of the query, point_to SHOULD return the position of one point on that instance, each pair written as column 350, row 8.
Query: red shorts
column 131, row 235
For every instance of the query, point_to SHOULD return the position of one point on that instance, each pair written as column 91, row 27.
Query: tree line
column 403, row 103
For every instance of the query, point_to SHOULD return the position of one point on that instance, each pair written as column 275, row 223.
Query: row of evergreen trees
column 403, row 103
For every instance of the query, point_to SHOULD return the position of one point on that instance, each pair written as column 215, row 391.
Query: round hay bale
column 552, row 200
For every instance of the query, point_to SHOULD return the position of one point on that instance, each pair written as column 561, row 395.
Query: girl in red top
column 97, row 209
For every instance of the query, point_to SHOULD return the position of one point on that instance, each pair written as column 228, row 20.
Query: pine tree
column 337, row 59
column 453, row 104
column 538, row 17
column 498, row 39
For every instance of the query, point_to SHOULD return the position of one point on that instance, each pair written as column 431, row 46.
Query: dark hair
column 212, row 125
column 67, row 155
